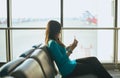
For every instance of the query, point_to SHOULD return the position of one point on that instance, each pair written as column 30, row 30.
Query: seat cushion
column 30, row 68
column 10, row 66
column 55, row 68
column 45, row 61
column 27, row 53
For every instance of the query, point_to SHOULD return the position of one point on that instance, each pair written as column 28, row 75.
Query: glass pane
column 34, row 13
column 97, row 43
column 2, row 46
column 119, row 30
column 119, row 13
column 23, row 40
column 3, row 13
column 119, row 46
column 88, row 13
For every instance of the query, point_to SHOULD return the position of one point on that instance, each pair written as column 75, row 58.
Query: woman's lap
column 89, row 65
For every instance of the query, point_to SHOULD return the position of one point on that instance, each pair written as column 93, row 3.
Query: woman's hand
column 73, row 45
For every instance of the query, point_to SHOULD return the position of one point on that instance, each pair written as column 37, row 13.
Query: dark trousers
column 90, row 65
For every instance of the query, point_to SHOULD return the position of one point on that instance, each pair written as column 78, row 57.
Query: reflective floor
column 114, row 73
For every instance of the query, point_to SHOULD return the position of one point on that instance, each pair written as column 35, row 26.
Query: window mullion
column 8, row 33
column 116, row 34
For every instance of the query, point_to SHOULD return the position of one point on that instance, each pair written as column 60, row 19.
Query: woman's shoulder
column 52, row 42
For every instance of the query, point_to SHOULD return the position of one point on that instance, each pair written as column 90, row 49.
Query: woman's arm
column 71, row 47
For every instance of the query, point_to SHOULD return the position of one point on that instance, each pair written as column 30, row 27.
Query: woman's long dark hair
column 53, row 28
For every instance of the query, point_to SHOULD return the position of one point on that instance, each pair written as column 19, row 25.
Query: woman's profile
column 60, row 53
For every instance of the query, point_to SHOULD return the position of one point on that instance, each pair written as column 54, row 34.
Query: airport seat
column 45, row 54
column 37, row 64
column 6, row 69
column 45, row 61
column 30, row 68
column 27, row 53
column 43, row 57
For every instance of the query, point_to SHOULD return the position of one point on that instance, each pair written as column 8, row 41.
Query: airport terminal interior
column 94, row 23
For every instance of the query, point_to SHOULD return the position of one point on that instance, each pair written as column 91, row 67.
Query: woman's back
column 58, row 53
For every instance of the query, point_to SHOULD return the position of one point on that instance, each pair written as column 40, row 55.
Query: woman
column 60, row 53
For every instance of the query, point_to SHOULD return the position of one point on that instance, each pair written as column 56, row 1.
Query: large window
column 23, row 40
column 91, row 22
column 119, row 30
column 3, row 23
column 2, row 46
column 119, row 46
column 34, row 13
column 88, row 13
column 97, row 43
column 3, row 13
column 119, row 13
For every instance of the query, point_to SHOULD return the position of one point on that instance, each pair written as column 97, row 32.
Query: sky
column 46, row 8
column 35, row 8
column 51, row 8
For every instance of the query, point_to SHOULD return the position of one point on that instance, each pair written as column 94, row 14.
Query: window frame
column 10, row 28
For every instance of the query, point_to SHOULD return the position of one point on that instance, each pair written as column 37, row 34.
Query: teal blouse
column 58, row 53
